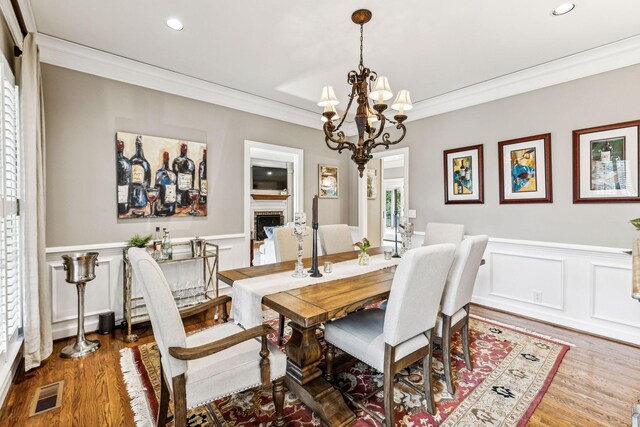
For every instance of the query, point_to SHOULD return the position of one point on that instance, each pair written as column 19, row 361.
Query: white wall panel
column 610, row 296
column 104, row 293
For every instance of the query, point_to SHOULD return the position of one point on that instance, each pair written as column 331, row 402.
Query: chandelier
column 365, row 84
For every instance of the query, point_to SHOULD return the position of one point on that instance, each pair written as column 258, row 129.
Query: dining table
column 309, row 307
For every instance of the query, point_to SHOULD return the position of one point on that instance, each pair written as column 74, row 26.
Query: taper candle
column 315, row 210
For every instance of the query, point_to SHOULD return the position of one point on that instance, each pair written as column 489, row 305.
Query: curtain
column 38, row 343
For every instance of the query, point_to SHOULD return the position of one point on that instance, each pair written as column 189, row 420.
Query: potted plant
column 138, row 241
column 364, row 245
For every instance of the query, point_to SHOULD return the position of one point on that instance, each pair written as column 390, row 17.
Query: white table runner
column 246, row 305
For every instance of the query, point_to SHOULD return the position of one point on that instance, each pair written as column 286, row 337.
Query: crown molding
column 12, row 22
column 28, row 16
column 65, row 54
column 599, row 60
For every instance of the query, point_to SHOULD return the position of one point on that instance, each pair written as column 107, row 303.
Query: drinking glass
column 152, row 196
column 193, row 195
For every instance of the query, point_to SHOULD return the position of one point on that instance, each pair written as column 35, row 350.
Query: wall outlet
column 411, row 213
column 537, row 296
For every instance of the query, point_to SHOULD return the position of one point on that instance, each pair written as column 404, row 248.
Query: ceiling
column 286, row 50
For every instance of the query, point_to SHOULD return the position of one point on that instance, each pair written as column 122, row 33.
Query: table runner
column 246, row 305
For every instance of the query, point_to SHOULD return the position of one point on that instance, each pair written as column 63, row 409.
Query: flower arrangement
column 364, row 245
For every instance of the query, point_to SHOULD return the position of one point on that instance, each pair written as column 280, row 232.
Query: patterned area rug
column 512, row 371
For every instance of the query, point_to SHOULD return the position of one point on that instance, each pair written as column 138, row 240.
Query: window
column 11, row 229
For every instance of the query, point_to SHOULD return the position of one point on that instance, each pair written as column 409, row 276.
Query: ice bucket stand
column 80, row 268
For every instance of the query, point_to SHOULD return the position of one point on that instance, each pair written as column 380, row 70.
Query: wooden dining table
column 309, row 307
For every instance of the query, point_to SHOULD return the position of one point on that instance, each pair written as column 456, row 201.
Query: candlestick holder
column 314, row 271
column 406, row 233
column 395, row 223
column 299, row 269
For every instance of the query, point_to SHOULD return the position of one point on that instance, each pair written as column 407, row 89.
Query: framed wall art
column 605, row 163
column 464, row 175
column 525, row 170
column 160, row 177
column 372, row 184
column 327, row 182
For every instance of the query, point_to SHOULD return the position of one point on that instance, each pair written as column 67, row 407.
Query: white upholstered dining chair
column 335, row 238
column 208, row 364
column 286, row 244
column 458, row 291
column 440, row 232
column 392, row 340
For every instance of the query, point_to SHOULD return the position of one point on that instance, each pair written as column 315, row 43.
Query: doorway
column 375, row 217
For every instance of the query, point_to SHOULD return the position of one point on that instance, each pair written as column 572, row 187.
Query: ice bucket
column 80, row 267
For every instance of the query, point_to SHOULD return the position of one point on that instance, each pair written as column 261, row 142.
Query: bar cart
column 190, row 301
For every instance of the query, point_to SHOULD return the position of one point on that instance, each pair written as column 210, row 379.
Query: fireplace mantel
column 270, row 196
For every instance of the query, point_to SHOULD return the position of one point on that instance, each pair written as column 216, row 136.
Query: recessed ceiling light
column 564, row 8
column 174, row 24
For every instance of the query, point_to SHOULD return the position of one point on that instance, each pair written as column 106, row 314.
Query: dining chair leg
column 329, row 357
column 428, row 386
column 180, row 401
column 164, row 399
column 280, row 330
column 278, row 401
column 389, row 359
column 446, row 353
column 225, row 313
column 465, row 344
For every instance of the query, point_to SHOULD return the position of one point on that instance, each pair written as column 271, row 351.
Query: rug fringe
column 141, row 411
column 521, row 329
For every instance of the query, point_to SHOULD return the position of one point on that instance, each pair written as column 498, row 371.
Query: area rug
column 512, row 370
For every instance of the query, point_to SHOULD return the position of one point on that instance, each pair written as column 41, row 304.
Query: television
column 269, row 178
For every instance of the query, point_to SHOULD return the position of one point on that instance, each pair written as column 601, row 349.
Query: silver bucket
column 197, row 247
column 80, row 267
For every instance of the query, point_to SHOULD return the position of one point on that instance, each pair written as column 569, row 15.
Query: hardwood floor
column 596, row 383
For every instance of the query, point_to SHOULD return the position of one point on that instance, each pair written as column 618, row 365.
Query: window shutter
column 10, row 220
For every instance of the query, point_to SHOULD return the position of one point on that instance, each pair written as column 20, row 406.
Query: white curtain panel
column 38, row 343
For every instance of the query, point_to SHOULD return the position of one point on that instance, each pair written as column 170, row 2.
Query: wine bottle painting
column 160, row 177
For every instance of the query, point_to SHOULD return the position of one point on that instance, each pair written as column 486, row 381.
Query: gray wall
column 598, row 100
column 83, row 114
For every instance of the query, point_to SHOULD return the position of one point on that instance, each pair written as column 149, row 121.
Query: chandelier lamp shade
column 366, row 87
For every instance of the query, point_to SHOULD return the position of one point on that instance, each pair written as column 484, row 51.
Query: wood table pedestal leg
column 304, row 378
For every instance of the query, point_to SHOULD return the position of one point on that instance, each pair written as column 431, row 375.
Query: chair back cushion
column 416, row 292
column 163, row 312
column 335, row 238
column 462, row 276
column 438, row 232
column 286, row 244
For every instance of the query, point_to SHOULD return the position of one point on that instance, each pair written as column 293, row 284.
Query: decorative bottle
column 140, row 176
column 166, row 181
column 185, row 170
column 167, row 250
column 202, row 177
column 605, row 152
column 157, row 245
column 124, row 178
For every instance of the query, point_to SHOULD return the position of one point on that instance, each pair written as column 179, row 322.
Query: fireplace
column 266, row 219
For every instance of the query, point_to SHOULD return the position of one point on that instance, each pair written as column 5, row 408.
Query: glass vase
column 363, row 258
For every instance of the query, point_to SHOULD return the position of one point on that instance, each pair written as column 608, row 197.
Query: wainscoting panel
column 104, row 293
column 582, row 287
column 540, row 280
column 610, row 296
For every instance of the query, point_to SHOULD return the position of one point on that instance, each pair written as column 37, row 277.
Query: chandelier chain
column 361, row 66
